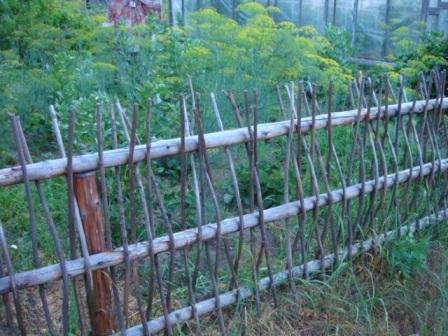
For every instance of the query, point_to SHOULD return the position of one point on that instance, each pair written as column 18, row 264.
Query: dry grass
column 373, row 298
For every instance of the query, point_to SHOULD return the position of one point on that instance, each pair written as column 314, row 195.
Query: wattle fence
column 134, row 259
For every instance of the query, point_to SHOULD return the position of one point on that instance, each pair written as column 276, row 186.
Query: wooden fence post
column 101, row 310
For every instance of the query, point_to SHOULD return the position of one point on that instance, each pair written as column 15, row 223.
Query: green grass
column 15, row 219
column 379, row 295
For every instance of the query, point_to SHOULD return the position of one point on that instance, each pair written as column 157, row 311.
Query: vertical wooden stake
column 101, row 311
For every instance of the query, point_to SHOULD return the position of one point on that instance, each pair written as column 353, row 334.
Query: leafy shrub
column 340, row 45
column 257, row 53
column 51, row 52
column 407, row 256
column 412, row 56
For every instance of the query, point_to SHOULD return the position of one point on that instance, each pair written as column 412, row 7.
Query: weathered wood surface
column 189, row 237
column 101, row 309
column 88, row 162
column 281, row 278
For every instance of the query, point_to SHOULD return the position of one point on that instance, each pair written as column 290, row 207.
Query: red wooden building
column 133, row 12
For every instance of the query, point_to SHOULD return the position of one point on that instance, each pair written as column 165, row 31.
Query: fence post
column 101, row 310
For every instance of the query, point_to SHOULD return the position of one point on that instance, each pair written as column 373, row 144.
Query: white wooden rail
column 189, row 237
column 281, row 278
column 88, row 162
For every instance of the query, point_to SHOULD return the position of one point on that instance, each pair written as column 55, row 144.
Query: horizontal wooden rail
column 88, row 162
column 189, row 237
column 314, row 266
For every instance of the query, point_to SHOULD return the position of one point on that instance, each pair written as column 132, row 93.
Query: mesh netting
column 373, row 24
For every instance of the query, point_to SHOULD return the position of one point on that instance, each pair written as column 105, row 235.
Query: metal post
column 170, row 14
column 334, row 12
column 326, row 12
column 183, row 12
column 385, row 50
column 425, row 10
column 355, row 22
column 101, row 310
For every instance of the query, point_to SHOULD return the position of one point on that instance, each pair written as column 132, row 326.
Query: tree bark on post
column 101, row 310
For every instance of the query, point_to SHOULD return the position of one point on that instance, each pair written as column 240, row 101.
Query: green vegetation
column 428, row 52
column 415, row 52
column 371, row 298
column 56, row 52
column 53, row 53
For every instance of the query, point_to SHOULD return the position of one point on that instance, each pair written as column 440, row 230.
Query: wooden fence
column 132, row 263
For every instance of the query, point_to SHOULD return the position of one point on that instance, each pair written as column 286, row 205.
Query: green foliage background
column 55, row 52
